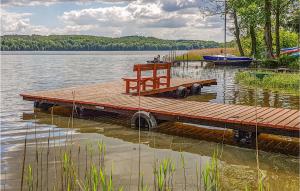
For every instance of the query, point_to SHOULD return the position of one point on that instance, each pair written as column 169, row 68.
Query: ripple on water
column 28, row 71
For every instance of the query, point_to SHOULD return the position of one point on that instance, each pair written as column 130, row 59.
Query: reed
column 47, row 167
column 95, row 176
column 24, row 159
column 143, row 187
column 262, row 185
column 96, row 179
column 163, row 173
column 281, row 82
column 198, row 177
column 41, row 167
column 184, row 170
column 36, row 155
column 29, row 178
column 211, row 174
column 194, row 55
column 101, row 153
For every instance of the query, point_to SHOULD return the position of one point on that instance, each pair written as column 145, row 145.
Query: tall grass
column 198, row 54
column 281, row 82
column 163, row 173
column 93, row 176
column 29, row 178
column 211, row 174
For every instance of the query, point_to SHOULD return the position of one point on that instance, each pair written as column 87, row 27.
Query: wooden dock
column 110, row 97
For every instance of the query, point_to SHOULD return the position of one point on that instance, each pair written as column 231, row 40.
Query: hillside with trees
column 96, row 43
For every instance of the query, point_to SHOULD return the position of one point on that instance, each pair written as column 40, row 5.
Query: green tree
column 251, row 18
column 281, row 8
column 268, row 28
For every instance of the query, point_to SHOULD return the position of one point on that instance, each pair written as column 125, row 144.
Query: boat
column 295, row 55
column 286, row 49
column 153, row 61
column 229, row 60
column 290, row 50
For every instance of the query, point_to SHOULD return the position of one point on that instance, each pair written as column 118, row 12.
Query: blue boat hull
column 286, row 49
column 216, row 58
column 230, row 61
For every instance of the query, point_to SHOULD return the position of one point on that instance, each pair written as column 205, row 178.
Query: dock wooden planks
column 111, row 97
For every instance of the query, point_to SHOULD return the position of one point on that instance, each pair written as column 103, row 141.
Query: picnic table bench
column 140, row 82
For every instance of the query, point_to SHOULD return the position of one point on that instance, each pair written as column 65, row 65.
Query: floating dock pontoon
column 110, row 97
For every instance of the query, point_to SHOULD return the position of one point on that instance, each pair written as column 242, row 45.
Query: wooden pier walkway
column 110, row 97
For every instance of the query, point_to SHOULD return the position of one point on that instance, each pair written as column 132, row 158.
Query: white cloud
column 19, row 23
column 50, row 2
column 158, row 18
column 114, row 16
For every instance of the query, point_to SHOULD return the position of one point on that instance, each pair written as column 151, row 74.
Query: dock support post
column 244, row 137
column 42, row 105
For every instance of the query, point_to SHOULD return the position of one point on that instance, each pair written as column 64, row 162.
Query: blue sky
column 167, row 19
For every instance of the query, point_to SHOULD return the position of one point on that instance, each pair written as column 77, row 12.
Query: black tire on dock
column 195, row 89
column 143, row 119
column 181, row 92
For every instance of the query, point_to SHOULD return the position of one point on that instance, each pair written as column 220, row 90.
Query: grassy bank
column 198, row 54
column 281, row 82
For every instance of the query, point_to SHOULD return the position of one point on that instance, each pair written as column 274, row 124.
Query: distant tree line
column 96, row 43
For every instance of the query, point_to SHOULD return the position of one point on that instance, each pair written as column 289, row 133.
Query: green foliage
column 211, row 174
column 250, row 12
column 163, row 174
column 283, row 82
column 270, row 63
column 293, row 22
column 94, row 43
column 284, row 61
column 290, row 62
column 287, row 39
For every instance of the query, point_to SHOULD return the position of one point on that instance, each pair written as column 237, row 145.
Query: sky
column 166, row 19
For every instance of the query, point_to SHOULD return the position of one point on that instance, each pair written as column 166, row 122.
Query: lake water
column 31, row 71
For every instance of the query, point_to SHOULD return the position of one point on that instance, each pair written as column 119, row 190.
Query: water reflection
column 238, row 164
column 28, row 71
column 229, row 92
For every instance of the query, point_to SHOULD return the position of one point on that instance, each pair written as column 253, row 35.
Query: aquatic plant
column 24, row 159
column 94, row 176
column 29, row 178
column 198, row 176
column 282, row 82
column 211, row 174
column 183, row 166
column 101, row 153
column 163, row 173
column 142, row 186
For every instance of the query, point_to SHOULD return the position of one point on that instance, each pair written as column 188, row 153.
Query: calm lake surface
column 32, row 71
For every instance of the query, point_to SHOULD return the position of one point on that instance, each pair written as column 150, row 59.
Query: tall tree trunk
column 237, row 33
column 268, row 32
column 277, row 26
column 253, row 40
